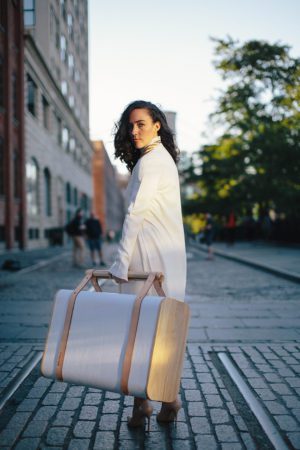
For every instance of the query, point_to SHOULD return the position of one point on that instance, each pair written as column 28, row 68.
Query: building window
column 33, row 233
column 54, row 27
column 63, row 9
column 84, row 202
column 72, row 145
column 57, row 33
column 65, row 138
column 71, row 101
column 47, row 186
column 58, row 130
column 75, row 196
column 52, row 21
column 77, row 43
column 77, row 76
column 68, row 193
column 81, row 24
column 1, row 166
column 32, row 184
column 76, row 7
column 64, row 87
column 71, row 64
column 63, row 47
column 31, row 95
column 45, row 106
column 70, row 26
column 29, row 13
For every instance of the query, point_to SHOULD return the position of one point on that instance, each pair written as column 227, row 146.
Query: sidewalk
column 35, row 259
column 279, row 260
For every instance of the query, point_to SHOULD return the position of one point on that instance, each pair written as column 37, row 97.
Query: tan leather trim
column 152, row 347
column 67, row 323
column 155, row 279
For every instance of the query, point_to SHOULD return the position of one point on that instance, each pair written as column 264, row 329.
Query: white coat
column 153, row 235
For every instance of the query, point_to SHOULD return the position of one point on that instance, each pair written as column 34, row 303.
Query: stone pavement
column 249, row 316
column 27, row 298
column 231, row 302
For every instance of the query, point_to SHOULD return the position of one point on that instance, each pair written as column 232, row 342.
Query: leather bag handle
column 131, row 275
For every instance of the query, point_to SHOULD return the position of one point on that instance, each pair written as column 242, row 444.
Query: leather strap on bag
column 71, row 303
column 152, row 279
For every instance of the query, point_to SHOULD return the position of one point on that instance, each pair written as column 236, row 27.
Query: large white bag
column 131, row 344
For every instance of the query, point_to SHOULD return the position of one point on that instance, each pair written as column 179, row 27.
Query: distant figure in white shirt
column 152, row 235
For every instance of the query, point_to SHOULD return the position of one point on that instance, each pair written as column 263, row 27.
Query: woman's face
column 142, row 128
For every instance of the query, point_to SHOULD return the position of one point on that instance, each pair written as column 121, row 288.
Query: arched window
column 75, row 196
column 32, row 183
column 47, row 184
column 84, row 202
column 68, row 193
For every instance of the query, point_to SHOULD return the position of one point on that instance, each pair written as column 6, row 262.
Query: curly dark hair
column 124, row 147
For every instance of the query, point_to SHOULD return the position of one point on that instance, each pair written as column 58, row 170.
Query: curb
column 291, row 276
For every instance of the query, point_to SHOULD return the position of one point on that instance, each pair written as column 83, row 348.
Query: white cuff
column 119, row 270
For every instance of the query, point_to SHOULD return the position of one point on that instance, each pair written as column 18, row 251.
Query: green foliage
column 256, row 160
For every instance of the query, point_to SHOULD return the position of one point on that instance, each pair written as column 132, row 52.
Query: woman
column 152, row 235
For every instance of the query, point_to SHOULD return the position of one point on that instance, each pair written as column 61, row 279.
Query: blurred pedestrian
column 249, row 226
column 93, row 231
column 231, row 228
column 209, row 235
column 266, row 224
column 75, row 229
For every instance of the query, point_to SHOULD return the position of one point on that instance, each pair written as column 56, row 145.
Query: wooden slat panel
column 168, row 351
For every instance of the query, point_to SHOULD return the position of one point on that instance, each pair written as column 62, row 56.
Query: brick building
column 12, row 182
column 108, row 199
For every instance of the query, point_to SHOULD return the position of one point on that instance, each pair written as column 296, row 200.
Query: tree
column 256, row 160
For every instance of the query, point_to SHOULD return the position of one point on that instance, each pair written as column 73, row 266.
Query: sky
column 161, row 51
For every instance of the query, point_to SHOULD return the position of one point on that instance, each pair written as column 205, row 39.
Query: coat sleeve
column 146, row 188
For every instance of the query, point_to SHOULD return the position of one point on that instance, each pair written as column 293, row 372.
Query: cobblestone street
column 242, row 358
